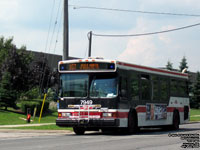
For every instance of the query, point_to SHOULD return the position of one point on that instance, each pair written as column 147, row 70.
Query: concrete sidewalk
column 26, row 125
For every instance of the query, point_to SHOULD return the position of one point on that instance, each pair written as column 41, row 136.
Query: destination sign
column 87, row 66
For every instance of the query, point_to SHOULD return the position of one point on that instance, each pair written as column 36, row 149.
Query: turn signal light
column 59, row 114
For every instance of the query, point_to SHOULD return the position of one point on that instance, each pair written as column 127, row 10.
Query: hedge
column 32, row 104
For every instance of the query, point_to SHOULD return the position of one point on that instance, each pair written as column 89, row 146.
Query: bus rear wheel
column 176, row 121
column 79, row 130
column 132, row 123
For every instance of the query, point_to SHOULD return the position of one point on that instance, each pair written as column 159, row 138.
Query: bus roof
column 129, row 66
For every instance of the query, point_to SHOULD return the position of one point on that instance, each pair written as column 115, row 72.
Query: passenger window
column 145, row 87
column 123, row 87
column 164, row 87
column 173, row 88
column 155, row 88
column 182, row 88
column 134, row 85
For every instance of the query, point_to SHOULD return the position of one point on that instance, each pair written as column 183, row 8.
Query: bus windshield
column 98, row 85
column 74, row 85
column 103, row 86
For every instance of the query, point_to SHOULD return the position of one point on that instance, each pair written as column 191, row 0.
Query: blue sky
column 28, row 22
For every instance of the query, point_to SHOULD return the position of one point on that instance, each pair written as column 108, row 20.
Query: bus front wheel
column 79, row 130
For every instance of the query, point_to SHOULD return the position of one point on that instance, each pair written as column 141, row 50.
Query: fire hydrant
column 28, row 118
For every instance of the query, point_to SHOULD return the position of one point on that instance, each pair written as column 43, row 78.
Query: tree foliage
column 8, row 95
column 41, row 73
column 19, row 73
column 183, row 64
column 196, row 93
column 14, row 71
column 169, row 65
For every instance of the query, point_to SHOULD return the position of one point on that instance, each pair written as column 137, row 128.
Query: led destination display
column 87, row 66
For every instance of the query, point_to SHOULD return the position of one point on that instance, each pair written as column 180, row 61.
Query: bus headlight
column 66, row 114
column 107, row 114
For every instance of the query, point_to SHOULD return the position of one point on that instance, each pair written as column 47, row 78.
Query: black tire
column 79, row 130
column 132, row 123
column 176, row 120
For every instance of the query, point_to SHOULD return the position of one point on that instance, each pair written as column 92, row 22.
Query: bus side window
column 173, row 87
column 164, row 89
column 155, row 88
column 123, row 87
column 182, row 89
column 134, row 87
column 145, row 87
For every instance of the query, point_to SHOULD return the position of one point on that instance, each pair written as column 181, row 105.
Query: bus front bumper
column 88, row 123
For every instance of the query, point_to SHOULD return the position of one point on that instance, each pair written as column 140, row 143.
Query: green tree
column 5, row 44
column 169, row 65
column 24, row 74
column 7, row 93
column 17, row 63
column 183, row 64
column 14, row 71
column 196, row 93
column 41, row 74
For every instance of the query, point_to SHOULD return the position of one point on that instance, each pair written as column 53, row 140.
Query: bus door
column 123, row 93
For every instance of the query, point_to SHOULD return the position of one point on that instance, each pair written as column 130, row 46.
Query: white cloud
column 156, row 50
column 8, row 10
column 140, row 50
column 165, row 37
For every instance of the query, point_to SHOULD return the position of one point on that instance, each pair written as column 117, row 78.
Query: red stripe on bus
column 116, row 114
column 141, row 109
column 86, row 113
column 122, row 114
column 151, row 69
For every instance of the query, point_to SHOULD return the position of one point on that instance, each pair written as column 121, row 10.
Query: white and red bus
column 107, row 94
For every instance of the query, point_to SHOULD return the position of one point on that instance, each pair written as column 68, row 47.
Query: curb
column 35, row 131
column 25, row 125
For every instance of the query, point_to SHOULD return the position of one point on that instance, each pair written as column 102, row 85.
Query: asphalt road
column 147, row 139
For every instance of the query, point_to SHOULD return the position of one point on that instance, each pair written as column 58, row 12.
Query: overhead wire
column 46, row 45
column 54, row 28
column 135, row 11
column 148, row 33
column 55, row 45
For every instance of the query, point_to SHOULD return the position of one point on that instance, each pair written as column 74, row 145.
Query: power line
column 149, row 33
column 46, row 45
column 50, row 45
column 135, row 11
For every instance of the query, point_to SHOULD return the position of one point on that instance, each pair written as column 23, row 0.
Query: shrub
column 34, row 103
column 31, row 94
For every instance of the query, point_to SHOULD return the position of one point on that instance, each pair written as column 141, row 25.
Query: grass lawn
column 194, row 114
column 45, row 127
column 11, row 117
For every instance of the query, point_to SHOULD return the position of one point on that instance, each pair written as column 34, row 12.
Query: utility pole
column 90, row 44
column 66, row 31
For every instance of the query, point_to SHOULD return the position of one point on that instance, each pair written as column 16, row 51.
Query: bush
column 31, row 94
column 34, row 103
